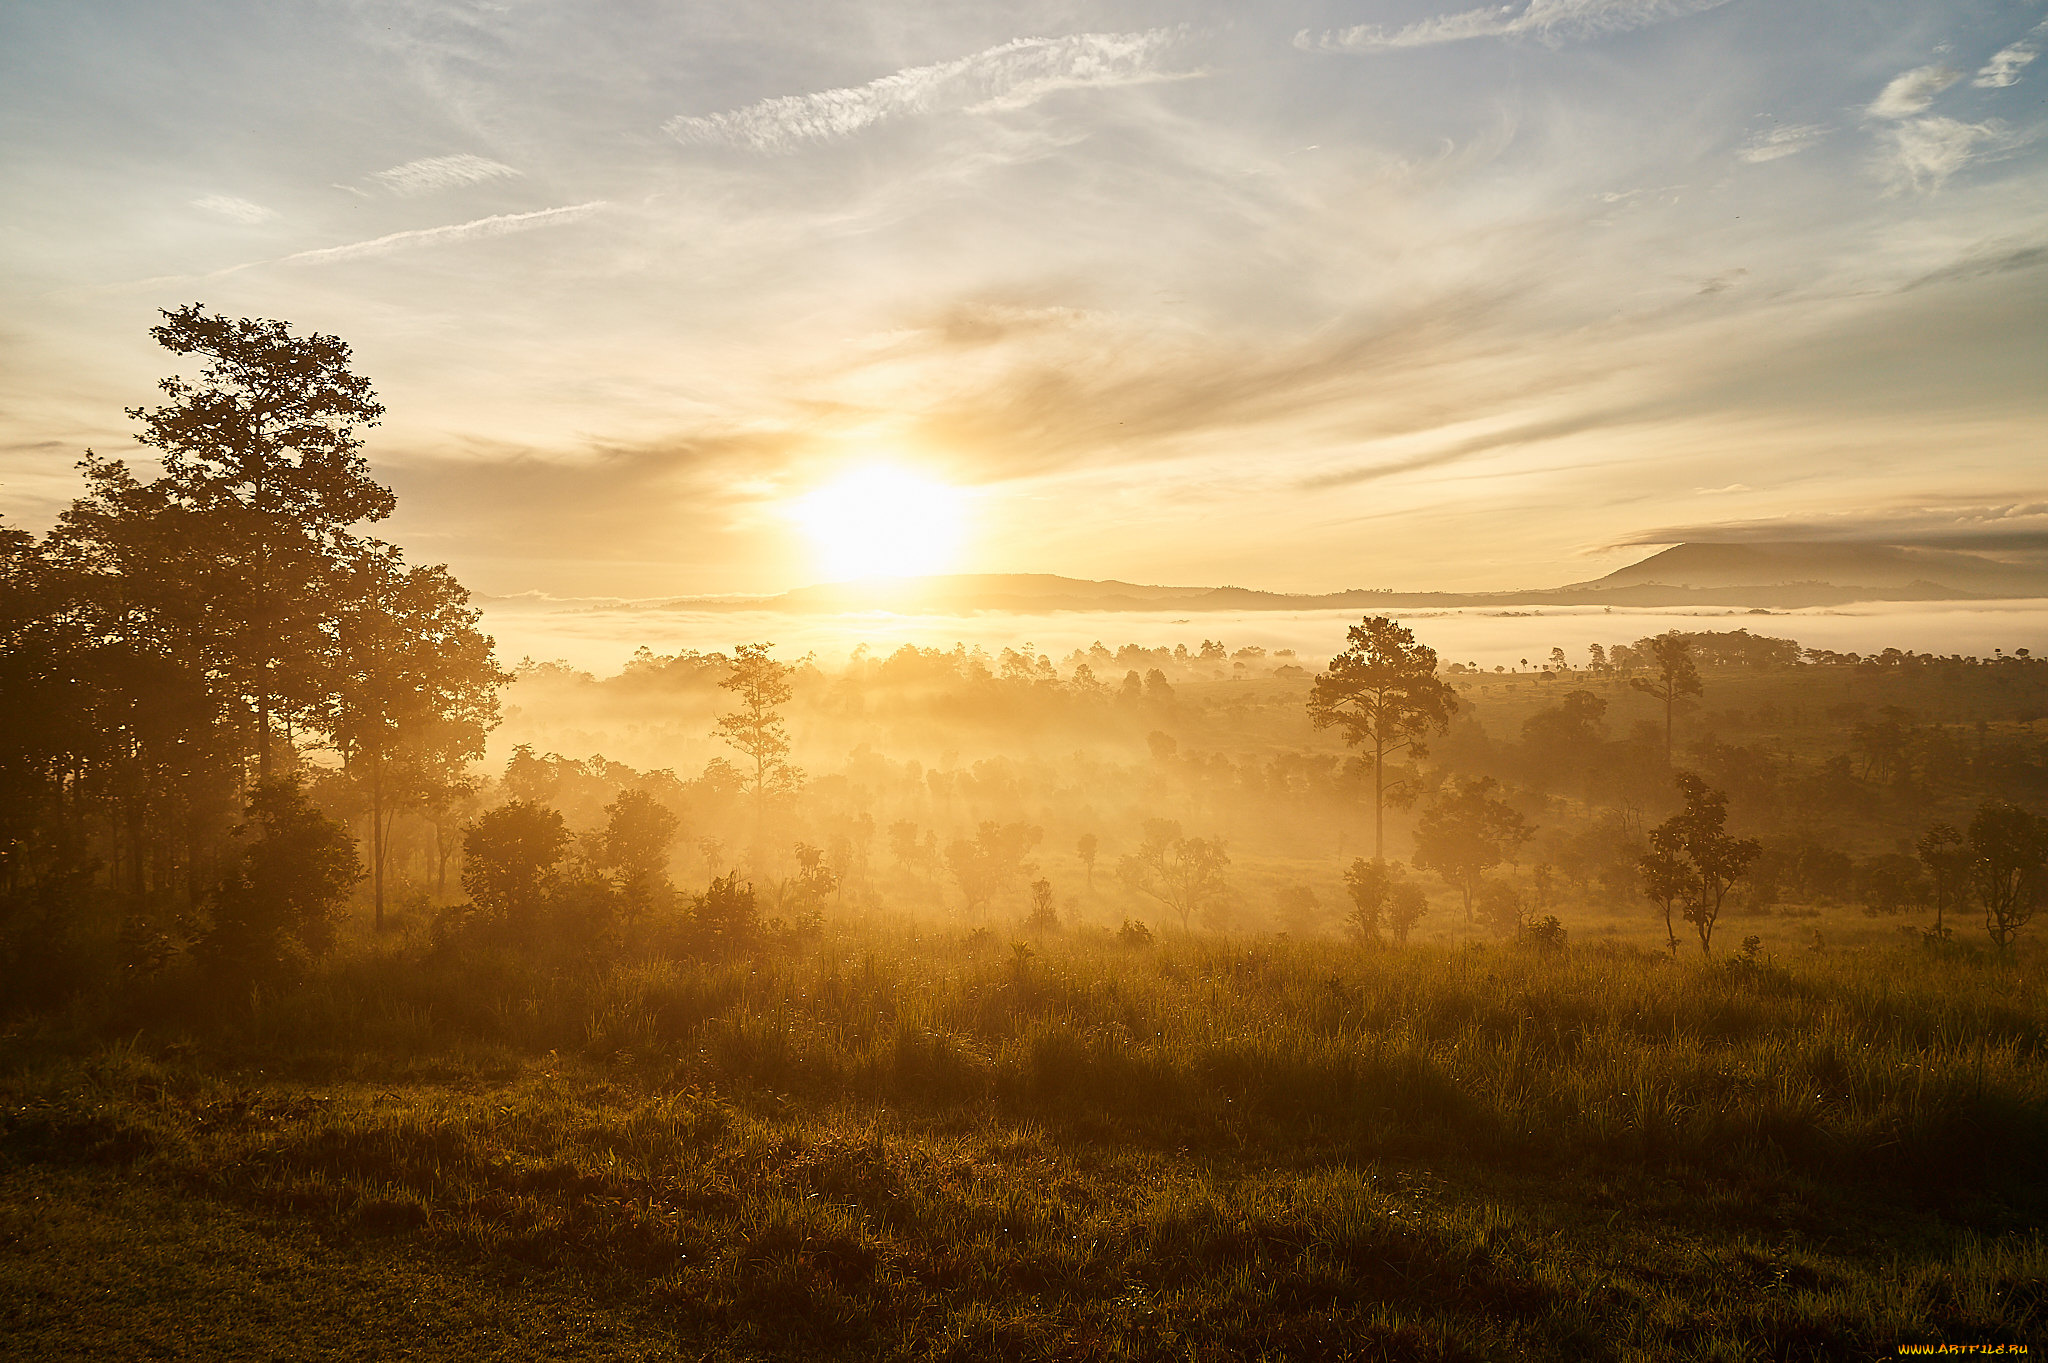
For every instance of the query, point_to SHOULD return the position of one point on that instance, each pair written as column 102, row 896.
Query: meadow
column 899, row 1140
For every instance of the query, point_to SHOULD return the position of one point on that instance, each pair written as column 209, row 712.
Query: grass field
column 901, row 1143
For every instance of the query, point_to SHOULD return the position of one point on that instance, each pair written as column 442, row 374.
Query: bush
column 509, row 858
column 278, row 901
column 726, row 917
column 1543, row 934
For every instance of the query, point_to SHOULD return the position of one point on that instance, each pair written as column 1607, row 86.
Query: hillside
column 1785, row 575
column 1872, row 566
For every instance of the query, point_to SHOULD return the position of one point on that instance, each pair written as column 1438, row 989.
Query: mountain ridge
column 1783, row 575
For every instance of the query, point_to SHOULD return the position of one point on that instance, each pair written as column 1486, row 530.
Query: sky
column 1300, row 296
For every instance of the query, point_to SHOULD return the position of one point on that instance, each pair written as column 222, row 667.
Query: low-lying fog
column 601, row 639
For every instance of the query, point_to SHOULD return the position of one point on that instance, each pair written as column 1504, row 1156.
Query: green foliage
column 1213, row 1149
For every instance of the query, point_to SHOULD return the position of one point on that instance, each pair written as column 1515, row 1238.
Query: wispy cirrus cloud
column 1922, row 153
column 1913, row 91
column 442, row 172
column 1546, row 20
column 234, row 209
column 1009, row 76
column 2005, row 66
column 1781, row 142
column 2019, row 524
column 1919, row 151
column 498, row 225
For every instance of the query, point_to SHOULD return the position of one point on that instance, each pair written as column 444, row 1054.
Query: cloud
column 2005, row 66
column 499, row 225
column 1781, row 142
column 1998, row 260
column 442, row 172
column 1549, row 20
column 238, row 210
column 1912, row 91
column 1010, row 76
column 1922, row 153
column 2009, row 526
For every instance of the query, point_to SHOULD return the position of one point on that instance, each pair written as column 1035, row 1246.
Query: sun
column 883, row 521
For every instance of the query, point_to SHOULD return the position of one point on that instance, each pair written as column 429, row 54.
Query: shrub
column 726, row 917
column 277, row 902
column 509, row 858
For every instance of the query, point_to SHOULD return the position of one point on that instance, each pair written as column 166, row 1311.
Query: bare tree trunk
column 262, row 738
column 1379, row 799
column 377, row 840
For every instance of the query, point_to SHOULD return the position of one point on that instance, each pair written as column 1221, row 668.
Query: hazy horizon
column 600, row 641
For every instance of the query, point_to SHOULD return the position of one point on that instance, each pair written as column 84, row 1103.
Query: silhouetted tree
column 1044, row 918
column 638, row 832
column 1384, row 694
column 1466, row 832
column 1370, row 884
column 1085, row 847
column 1183, row 873
column 1667, row 880
column 509, row 858
column 280, row 897
column 992, row 861
column 762, row 685
column 2007, row 849
column 1946, row 856
column 263, row 474
column 1710, row 861
column 415, row 689
column 1676, row 677
column 727, row 918
column 1406, row 906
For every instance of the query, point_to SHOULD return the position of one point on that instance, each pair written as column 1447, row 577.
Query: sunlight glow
column 882, row 521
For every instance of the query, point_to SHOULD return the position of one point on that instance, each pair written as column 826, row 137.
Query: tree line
column 181, row 650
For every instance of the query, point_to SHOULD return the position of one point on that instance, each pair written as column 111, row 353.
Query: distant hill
column 1783, row 576
column 1873, row 566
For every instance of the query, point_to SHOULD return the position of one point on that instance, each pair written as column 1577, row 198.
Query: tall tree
column 1383, row 693
column 1947, row 858
column 638, row 831
column 415, row 688
column 761, row 685
column 1676, row 677
column 1466, row 832
column 263, row 474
